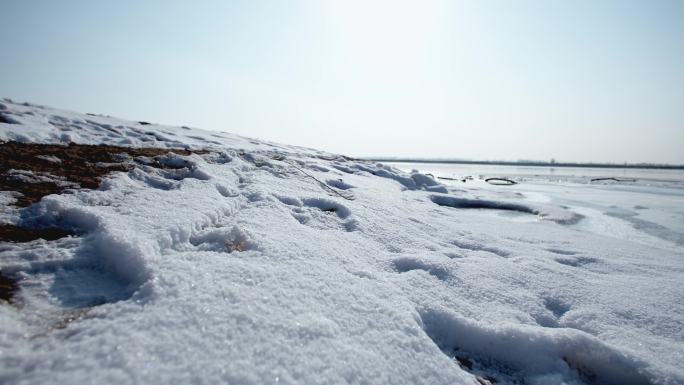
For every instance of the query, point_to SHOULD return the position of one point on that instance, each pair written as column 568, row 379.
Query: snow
column 27, row 176
column 265, row 263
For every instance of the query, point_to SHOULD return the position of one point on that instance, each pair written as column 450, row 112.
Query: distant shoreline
column 533, row 163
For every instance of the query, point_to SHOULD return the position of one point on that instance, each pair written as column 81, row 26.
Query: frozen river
column 553, row 174
column 645, row 205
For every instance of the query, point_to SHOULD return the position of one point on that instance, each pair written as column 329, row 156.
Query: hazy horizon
column 599, row 81
column 550, row 162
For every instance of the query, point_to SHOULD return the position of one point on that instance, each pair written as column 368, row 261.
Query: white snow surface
column 241, row 268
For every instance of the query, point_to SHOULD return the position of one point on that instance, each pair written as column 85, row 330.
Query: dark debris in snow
column 82, row 165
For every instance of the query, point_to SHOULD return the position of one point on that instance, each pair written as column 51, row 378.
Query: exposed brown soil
column 36, row 170
column 75, row 164
column 11, row 233
column 7, row 288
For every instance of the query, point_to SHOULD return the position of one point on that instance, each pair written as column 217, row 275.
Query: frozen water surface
column 257, row 263
column 644, row 205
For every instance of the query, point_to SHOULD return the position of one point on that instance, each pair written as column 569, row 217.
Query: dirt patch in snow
column 11, row 233
column 78, row 166
column 31, row 171
column 7, row 288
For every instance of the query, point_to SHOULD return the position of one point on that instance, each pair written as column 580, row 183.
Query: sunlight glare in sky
column 491, row 79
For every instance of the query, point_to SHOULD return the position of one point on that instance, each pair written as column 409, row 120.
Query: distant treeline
column 534, row 163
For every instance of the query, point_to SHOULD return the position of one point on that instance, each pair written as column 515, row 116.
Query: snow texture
column 260, row 263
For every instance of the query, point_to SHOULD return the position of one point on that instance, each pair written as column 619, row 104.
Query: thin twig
column 507, row 181
column 320, row 182
column 614, row 179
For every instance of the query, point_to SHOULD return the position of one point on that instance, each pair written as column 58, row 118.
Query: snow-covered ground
column 261, row 263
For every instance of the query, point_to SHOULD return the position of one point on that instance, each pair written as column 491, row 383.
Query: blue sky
column 573, row 80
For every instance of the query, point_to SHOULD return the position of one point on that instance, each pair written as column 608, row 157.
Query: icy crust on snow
column 260, row 263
